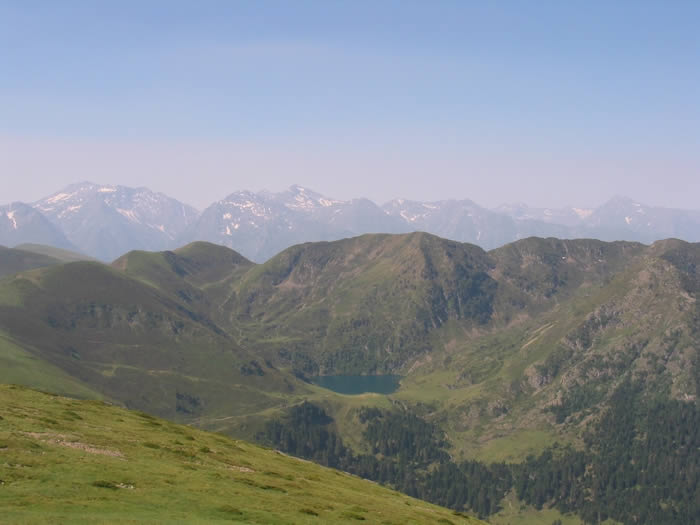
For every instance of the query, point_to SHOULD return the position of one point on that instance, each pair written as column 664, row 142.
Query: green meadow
column 70, row 461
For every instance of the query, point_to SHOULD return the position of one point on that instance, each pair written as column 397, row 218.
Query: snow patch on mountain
column 11, row 215
column 409, row 218
column 107, row 220
column 59, row 197
column 68, row 210
column 129, row 214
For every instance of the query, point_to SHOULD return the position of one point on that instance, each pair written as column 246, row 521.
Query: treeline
column 640, row 463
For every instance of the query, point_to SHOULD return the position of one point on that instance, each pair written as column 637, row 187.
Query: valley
column 508, row 360
column 319, row 262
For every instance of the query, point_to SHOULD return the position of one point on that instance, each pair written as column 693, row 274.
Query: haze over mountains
column 105, row 221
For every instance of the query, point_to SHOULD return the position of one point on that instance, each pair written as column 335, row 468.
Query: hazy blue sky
column 544, row 102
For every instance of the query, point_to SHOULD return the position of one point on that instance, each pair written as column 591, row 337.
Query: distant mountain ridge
column 20, row 224
column 259, row 225
column 105, row 221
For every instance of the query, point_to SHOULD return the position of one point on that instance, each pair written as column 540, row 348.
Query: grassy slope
column 19, row 366
column 13, row 260
column 144, row 333
column 134, row 343
column 478, row 382
column 69, row 461
column 359, row 305
column 491, row 390
column 57, row 253
column 196, row 265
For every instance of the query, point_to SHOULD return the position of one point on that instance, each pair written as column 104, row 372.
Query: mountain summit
column 105, row 221
column 261, row 224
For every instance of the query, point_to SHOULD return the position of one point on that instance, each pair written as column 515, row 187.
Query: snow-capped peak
column 87, row 212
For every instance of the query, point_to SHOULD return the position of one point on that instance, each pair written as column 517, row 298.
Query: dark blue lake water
column 353, row 385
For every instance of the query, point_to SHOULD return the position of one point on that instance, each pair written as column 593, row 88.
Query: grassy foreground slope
column 71, row 461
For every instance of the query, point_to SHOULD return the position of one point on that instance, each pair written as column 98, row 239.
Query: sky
column 546, row 102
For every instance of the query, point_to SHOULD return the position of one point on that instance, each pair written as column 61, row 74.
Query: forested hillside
column 525, row 355
column 640, row 463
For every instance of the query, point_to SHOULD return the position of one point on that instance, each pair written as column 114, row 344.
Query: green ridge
column 57, row 253
column 508, row 351
column 13, row 260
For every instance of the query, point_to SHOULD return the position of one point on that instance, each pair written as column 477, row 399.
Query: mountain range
column 502, row 354
column 202, row 331
column 105, row 221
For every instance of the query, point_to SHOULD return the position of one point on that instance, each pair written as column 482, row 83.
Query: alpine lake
column 355, row 385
